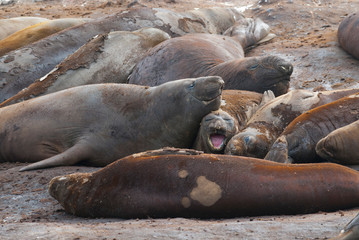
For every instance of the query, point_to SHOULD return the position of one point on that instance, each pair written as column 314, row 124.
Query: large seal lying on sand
column 12, row 25
column 196, row 55
column 297, row 142
column 269, row 121
column 100, row 123
column 340, row 145
column 348, row 34
column 20, row 68
column 36, row 32
column 205, row 186
column 108, row 58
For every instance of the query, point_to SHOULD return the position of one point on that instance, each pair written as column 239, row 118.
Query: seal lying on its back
column 11, row 25
column 340, row 145
column 270, row 120
column 108, row 58
column 348, row 34
column 205, row 186
column 20, row 68
column 297, row 142
column 195, row 55
column 36, row 32
column 100, row 123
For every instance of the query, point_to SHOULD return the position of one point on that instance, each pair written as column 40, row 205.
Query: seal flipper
column 350, row 231
column 279, row 151
column 267, row 96
column 71, row 156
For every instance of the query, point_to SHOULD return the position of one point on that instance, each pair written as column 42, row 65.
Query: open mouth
column 217, row 141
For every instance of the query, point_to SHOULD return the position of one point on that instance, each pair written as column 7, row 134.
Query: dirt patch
column 306, row 36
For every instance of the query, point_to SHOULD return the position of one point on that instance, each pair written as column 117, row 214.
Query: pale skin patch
column 206, row 192
column 85, row 180
column 186, row 202
column 183, row 174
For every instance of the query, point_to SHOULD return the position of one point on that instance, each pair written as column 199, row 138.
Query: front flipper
column 71, row 156
column 279, row 151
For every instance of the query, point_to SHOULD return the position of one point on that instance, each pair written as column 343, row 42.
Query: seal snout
column 286, row 68
column 208, row 88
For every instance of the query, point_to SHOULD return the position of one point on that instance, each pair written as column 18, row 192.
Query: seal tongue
column 217, row 140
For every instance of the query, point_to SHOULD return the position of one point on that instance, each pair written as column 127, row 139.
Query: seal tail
column 250, row 32
column 69, row 157
column 279, row 151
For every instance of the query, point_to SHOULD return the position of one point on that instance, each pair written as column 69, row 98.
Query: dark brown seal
column 99, row 123
column 195, row 55
column 298, row 141
column 269, row 121
column 107, row 58
column 340, row 145
column 20, row 68
column 205, row 186
column 348, row 34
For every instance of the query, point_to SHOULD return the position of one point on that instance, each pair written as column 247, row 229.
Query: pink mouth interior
column 217, row 140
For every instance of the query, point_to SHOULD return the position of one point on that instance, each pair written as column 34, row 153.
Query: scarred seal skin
column 348, row 34
column 36, row 32
column 350, row 231
column 20, row 68
column 11, row 25
column 107, row 58
column 269, row 121
column 100, row 123
column 205, row 186
column 340, row 145
column 195, row 55
column 298, row 141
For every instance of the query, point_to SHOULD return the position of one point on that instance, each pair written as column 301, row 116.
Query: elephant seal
column 297, row 142
column 217, row 128
column 339, row 146
column 107, row 58
column 195, row 55
column 350, row 231
column 348, row 35
column 36, row 32
column 9, row 26
column 20, row 68
column 99, row 123
column 269, row 121
column 205, row 186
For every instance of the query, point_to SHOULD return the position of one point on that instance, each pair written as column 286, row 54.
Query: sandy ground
column 306, row 36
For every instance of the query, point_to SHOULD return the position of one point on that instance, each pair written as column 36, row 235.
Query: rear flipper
column 279, row 151
column 250, row 31
column 350, row 231
column 71, row 156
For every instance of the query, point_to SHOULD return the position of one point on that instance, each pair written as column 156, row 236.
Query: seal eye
column 208, row 119
column 254, row 66
column 192, row 85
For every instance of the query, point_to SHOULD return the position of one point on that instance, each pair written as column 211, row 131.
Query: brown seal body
column 12, row 25
column 348, row 34
column 20, row 68
column 269, row 121
column 36, row 32
column 195, row 55
column 298, row 141
column 99, row 123
column 205, row 186
column 340, row 145
column 108, row 58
